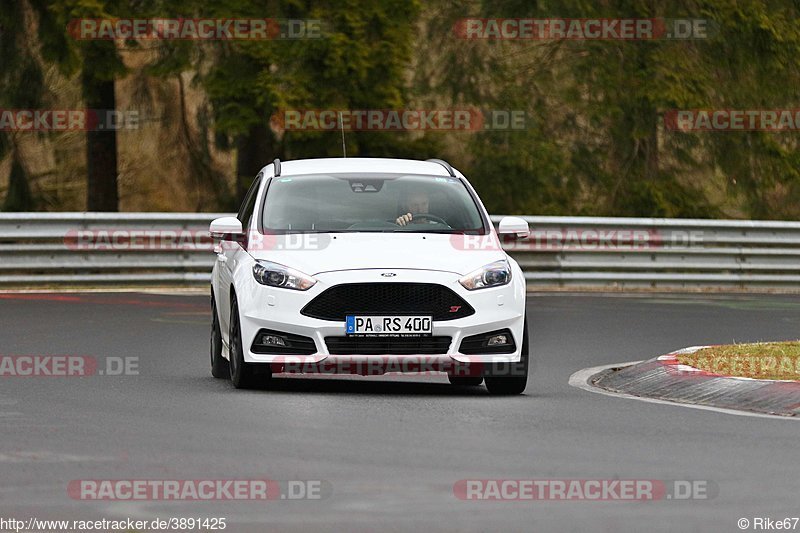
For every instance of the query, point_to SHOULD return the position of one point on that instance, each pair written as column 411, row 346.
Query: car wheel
column 465, row 381
column 516, row 374
column 219, row 365
column 243, row 375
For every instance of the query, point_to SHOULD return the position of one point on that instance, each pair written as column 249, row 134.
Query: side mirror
column 513, row 227
column 226, row 226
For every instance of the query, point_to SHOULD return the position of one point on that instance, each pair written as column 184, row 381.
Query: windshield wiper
column 427, row 231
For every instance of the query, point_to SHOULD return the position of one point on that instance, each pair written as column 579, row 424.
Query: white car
column 367, row 266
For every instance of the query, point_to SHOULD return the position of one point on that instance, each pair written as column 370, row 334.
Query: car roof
column 358, row 164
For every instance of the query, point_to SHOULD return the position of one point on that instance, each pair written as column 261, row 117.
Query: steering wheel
column 429, row 217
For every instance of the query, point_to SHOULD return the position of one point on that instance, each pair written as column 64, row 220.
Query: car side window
column 246, row 211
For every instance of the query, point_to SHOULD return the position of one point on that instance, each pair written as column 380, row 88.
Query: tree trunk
column 101, row 144
column 19, row 196
column 652, row 170
column 254, row 150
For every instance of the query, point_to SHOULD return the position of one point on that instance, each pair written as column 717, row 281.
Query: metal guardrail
column 659, row 252
column 105, row 248
column 42, row 249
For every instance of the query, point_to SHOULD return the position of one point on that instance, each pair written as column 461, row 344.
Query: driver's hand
column 402, row 220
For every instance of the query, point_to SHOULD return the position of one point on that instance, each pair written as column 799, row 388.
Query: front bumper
column 263, row 307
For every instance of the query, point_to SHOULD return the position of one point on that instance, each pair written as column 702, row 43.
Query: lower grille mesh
column 431, row 299
column 388, row 345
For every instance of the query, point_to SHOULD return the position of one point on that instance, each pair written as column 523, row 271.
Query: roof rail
column 445, row 164
column 277, row 164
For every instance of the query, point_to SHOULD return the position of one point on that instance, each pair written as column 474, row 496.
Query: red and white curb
column 664, row 380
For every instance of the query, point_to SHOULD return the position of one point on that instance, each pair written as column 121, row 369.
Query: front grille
column 388, row 345
column 388, row 299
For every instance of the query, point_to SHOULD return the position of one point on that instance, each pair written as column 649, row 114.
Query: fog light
column 273, row 340
column 268, row 341
column 497, row 340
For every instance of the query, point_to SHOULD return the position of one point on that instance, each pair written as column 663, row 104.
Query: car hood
column 315, row 253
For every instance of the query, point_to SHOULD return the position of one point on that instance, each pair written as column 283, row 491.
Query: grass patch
column 763, row 360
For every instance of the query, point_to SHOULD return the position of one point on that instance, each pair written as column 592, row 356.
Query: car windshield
column 324, row 203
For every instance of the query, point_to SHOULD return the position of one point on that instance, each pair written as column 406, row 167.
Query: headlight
column 275, row 275
column 491, row 275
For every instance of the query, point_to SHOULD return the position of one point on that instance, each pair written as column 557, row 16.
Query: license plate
column 388, row 326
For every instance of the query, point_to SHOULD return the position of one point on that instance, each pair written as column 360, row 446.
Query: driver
column 416, row 202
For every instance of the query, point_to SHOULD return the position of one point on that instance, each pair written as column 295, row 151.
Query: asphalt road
column 389, row 450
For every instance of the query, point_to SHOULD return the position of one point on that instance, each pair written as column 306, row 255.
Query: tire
column 505, row 385
column 465, row 381
column 243, row 375
column 219, row 365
